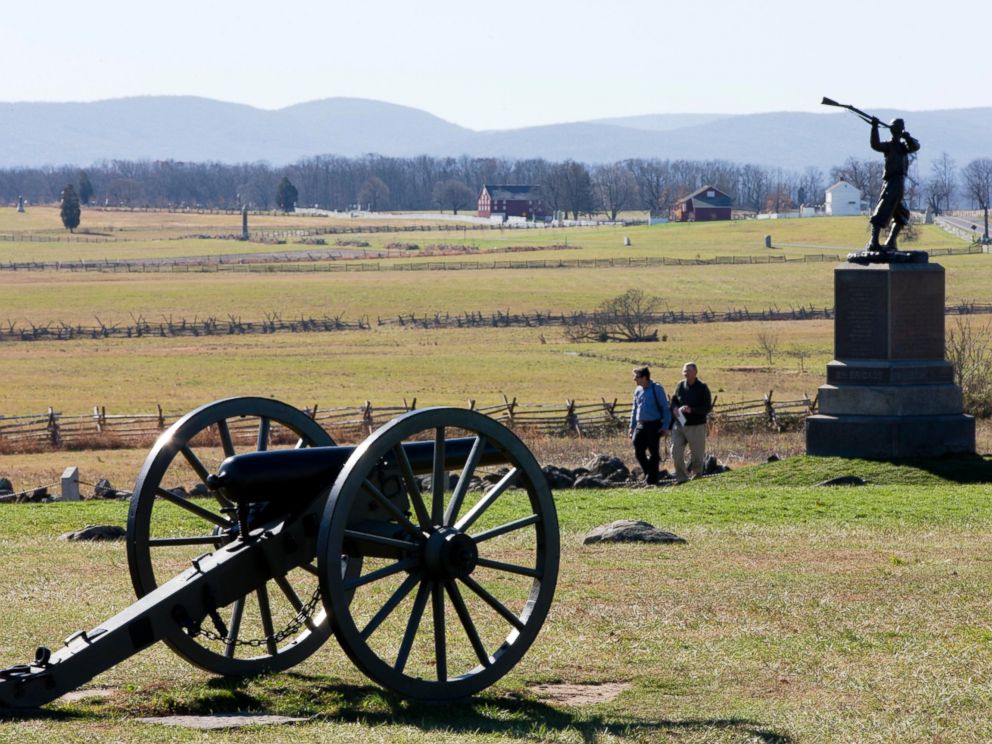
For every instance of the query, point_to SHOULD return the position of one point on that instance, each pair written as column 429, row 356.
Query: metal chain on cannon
column 295, row 625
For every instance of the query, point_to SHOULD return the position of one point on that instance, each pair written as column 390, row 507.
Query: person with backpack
column 650, row 419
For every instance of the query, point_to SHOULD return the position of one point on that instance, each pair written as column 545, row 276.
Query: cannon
column 252, row 538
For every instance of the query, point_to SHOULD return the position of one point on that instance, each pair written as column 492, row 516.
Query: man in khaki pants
column 691, row 402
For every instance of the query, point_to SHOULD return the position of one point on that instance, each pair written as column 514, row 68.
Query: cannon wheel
column 158, row 549
column 486, row 562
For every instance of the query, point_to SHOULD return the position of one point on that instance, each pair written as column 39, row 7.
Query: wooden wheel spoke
column 438, row 478
column 294, row 599
column 225, row 438
column 461, row 488
column 391, row 508
column 391, row 542
column 391, row 604
column 381, row 573
column 440, row 639
column 171, row 542
column 517, row 524
column 264, row 427
column 467, row 624
column 234, row 627
column 412, row 625
column 194, row 462
column 192, row 508
column 265, row 611
column 509, row 568
column 490, row 600
column 412, row 489
column 486, row 501
column 310, row 568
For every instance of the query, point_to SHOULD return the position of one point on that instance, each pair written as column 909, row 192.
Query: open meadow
column 391, row 362
column 793, row 613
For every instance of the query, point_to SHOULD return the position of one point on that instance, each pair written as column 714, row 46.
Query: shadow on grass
column 509, row 715
column 956, row 468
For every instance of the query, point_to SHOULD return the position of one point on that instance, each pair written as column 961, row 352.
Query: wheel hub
column 450, row 554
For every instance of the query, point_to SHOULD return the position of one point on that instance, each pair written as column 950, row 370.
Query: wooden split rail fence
column 99, row 429
column 273, row 323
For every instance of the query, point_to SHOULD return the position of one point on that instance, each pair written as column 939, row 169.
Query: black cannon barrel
column 305, row 473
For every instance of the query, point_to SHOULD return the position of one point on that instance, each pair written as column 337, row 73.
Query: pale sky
column 531, row 63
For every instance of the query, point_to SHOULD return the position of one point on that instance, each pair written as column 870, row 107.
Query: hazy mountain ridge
column 198, row 129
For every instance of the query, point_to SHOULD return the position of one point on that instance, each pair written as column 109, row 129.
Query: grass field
column 793, row 614
column 387, row 364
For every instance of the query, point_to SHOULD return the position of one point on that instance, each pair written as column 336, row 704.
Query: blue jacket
column 650, row 404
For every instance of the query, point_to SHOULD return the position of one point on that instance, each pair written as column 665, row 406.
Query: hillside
column 197, row 129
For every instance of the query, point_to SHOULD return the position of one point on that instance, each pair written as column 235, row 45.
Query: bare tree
column 374, row 194
column 800, row 354
column 614, row 187
column 939, row 186
column 968, row 346
column 768, row 343
column 977, row 177
column 453, row 194
column 656, row 188
column 810, row 188
column 626, row 317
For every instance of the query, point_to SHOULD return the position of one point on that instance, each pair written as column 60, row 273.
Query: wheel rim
column 455, row 584
column 167, row 530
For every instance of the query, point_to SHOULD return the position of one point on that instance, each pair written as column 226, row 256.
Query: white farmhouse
column 843, row 200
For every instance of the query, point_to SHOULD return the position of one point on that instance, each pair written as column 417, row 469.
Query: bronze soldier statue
column 890, row 207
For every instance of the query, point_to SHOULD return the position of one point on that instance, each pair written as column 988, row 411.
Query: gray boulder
column 844, row 480
column 592, row 481
column 558, row 477
column 96, row 532
column 607, row 467
column 629, row 530
column 6, row 486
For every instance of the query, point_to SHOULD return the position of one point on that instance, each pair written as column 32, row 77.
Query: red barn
column 707, row 203
column 512, row 201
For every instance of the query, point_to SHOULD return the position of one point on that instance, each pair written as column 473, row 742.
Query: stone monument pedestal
column 889, row 392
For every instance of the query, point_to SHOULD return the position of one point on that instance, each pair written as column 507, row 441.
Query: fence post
column 770, row 410
column 571, row 420
column 54, row 430
column 509, row 408
column 367, row 422
column 161, row 418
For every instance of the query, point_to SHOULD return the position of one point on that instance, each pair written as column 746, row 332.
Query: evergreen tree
column 70, row 208
column 85, row 188
column 286, row 195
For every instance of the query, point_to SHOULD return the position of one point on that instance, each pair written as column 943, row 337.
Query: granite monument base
column 890, row 437
column 890, row 393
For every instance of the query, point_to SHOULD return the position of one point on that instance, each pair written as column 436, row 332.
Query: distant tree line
column 451, row 184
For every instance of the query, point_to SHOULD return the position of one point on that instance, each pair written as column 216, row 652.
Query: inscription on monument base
column 861, row 324
column 840, row 374
column 917, row 323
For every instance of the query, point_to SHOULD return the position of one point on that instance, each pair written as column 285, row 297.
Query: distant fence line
column 318, row 262
column 273, row 323
column 345, row 424
column 268, row 235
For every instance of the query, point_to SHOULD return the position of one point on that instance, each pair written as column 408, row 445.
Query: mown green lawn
column 794, row 613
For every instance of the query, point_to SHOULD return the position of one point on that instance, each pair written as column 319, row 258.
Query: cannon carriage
column 430, row 552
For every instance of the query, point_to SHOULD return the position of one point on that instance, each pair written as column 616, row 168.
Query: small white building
column 843, row 200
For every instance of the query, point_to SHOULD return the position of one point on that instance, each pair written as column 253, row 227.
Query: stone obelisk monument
column 890, row 393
